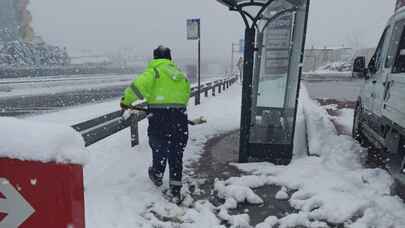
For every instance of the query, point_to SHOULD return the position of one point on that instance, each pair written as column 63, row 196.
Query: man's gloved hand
column 123, row 105
column 198, row 121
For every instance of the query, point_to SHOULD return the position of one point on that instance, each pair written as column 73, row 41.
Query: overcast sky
column 106, row 25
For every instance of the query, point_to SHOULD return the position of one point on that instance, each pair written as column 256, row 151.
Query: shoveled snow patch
column 40, row 141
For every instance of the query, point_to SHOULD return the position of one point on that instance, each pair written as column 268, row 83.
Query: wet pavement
column 215, row 163
column 219, row 152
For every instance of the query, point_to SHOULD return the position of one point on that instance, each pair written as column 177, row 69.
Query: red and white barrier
column 36, row 194
column 41, row 175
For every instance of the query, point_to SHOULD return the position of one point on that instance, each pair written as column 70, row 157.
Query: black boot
column 155, row 178
column 176, row 197
column 176, row 191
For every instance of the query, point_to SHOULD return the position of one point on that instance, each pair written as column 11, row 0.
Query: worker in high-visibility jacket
column 166, row 90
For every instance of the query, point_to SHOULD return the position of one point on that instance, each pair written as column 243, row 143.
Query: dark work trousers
column 168, row 136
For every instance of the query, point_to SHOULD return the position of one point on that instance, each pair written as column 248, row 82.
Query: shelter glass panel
column 275, row 88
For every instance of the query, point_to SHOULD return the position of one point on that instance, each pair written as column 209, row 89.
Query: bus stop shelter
column 273, row 60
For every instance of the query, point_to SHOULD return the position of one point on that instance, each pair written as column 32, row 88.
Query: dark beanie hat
column 162, row 52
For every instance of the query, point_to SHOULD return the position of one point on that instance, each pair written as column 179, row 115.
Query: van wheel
column 356, row 132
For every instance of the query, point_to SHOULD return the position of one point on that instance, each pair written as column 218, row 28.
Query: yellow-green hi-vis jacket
column 162, row 85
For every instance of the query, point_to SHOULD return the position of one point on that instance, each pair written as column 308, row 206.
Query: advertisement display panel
column 278, row 37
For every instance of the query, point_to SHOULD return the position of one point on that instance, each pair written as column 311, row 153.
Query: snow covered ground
column 331, row 188
column 118, row 192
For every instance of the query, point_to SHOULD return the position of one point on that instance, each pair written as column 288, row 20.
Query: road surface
column 27, row 96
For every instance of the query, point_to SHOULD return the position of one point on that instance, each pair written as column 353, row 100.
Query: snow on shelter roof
column 38, row 141
column 233, row 3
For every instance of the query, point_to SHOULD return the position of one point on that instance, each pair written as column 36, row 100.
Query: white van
column 380, row 111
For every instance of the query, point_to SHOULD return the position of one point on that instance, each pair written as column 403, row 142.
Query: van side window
column 399, row 64
column 377, row 60
column 396, row 38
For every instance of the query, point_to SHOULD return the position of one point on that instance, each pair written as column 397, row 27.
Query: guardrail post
column 134, row 132
column 106, row 125
column 197, row 100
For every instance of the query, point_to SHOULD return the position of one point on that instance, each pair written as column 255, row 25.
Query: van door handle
column 387, row 94
column 373, row 95
column 375, row 81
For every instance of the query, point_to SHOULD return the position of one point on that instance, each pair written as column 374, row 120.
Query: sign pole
column 232, row 57
column 194, row 33
column 198, row 100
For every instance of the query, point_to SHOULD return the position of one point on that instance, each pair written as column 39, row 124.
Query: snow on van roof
column 400, row 10
column 38, row 141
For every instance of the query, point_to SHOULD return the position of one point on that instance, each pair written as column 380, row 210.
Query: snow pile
column 269, row 222
column 338, row 151
column 300, row 134
column 239, row 193
column 201, row 215
column 336, row 67
column 331, row 188
column 36, row 141
column 324, row 194
column 236, row 221
column 282, row 194
column 345, row 119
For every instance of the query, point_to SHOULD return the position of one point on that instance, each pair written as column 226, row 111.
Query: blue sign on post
column 193, row 33
column 193, row 29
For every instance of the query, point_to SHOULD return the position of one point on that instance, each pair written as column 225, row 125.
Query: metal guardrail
column 106, row 125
